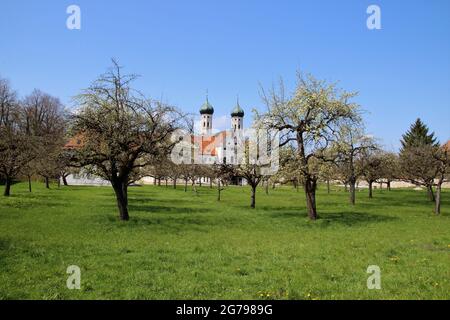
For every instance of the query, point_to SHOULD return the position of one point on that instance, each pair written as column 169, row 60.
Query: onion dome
column 237, row 111
column 206, row 108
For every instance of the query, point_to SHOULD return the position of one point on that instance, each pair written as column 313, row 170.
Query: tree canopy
column 122, row 131
column 309, row 120
column 418, row 135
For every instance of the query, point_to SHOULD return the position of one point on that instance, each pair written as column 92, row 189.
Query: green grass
column 181, row 246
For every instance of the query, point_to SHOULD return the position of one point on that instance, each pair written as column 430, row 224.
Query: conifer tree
column 418, row 135
column 417, row 156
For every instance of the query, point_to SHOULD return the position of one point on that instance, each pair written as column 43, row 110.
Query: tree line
column 125, row 136
column 32, row 134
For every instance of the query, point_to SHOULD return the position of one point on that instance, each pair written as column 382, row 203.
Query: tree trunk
column 328, row 186
column 352, row 184
column 159, row 182
column 64, row 179
column 430, row 193
column 29, row 183
column 7, row 192
column 166, row 182
column 310, row 192
column 267, row 187
column 47, row 183
column 253, row 197
column 121, row 191
column 123, row 209
column 210, row 183
column 388, row 185
column 154, row 181
column 125, row 193
column 218, row 190
column 370, row 189
column 175, row 183
column 185, row 185
column 437, row 206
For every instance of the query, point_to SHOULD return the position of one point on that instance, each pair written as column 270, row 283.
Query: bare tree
column 443, row 173
column 390, row 170
column 222, row 173
column 16, row 147
column 172, row 171
column 28, row 171
column 159, row 169
column 208, row 172
column 428, row 166
column 45, row 120
column 252, row 173
column 256, row 164
column 351, row 144
column 412, row 141
column 65, row 165
column 120, row 127
column 191, row 173
column 328, row 172
column 372, row 164
column 418, row 166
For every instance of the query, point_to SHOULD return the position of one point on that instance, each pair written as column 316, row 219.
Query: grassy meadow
column 181, row 245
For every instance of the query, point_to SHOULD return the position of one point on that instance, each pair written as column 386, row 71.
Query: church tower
column 206, row 112
column 237, row 118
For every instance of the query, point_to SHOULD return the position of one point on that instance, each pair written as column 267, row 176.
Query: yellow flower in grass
column 395, row 259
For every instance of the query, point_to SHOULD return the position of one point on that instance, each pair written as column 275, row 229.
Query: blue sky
column 182, row 48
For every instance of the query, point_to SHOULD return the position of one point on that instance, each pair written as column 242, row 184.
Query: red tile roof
column 75, row 142
column 447, row 146
column 208, row 144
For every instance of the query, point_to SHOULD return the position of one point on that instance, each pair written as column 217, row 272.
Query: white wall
column 86, row 180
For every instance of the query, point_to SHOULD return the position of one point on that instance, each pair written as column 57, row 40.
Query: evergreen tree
column 417, row 156
column 418, row 135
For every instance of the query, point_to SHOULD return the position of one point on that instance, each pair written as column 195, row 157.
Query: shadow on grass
column 353, row 218
column 337, row 218
column 145, row 200
column 18, row 201
column 5, row 244
column 165, row 209
column 6, row 247
column 166, row 224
